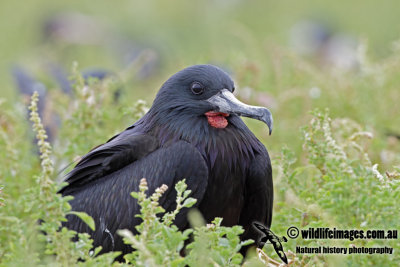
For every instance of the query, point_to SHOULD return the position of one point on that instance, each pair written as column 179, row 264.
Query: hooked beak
column 226, row 102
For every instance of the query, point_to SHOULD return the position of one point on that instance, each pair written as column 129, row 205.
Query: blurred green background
column 188, row 32
column 251, row 39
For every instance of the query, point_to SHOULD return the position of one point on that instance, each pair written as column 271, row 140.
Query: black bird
column 27, row 85
column 61, row 77
column 193, row 131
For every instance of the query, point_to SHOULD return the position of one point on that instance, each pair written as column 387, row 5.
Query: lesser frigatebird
column 194, row 131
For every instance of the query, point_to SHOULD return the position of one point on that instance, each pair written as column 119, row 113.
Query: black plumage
column 193, row 131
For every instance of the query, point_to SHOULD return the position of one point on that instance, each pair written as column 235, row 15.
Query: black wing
column 104, row 193
column 120, row 151
column 259, row 196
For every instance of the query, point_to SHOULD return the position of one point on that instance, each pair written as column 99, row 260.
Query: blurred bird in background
column 319, row 41
column 72, row 30
column 26, row 85
column 77, row 29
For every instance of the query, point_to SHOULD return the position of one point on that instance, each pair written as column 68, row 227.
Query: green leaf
column 135, row 195
column 189, row 202
column 186, row 193
column 180, row 186
column 84, row 217
column 246, row 242
column 177, row 262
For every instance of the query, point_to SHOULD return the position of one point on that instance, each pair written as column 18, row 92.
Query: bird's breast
column 224, row 196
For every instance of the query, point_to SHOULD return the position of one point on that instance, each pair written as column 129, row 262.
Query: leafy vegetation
column 335, row 185
column 32, row 224
column 339, row 188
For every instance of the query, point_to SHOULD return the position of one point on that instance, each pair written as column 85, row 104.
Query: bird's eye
column 233, row 89
column 197, row 88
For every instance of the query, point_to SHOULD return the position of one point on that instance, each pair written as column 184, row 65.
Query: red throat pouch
column 217, row 119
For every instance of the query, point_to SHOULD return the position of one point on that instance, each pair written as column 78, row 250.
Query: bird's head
column 205, row 92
